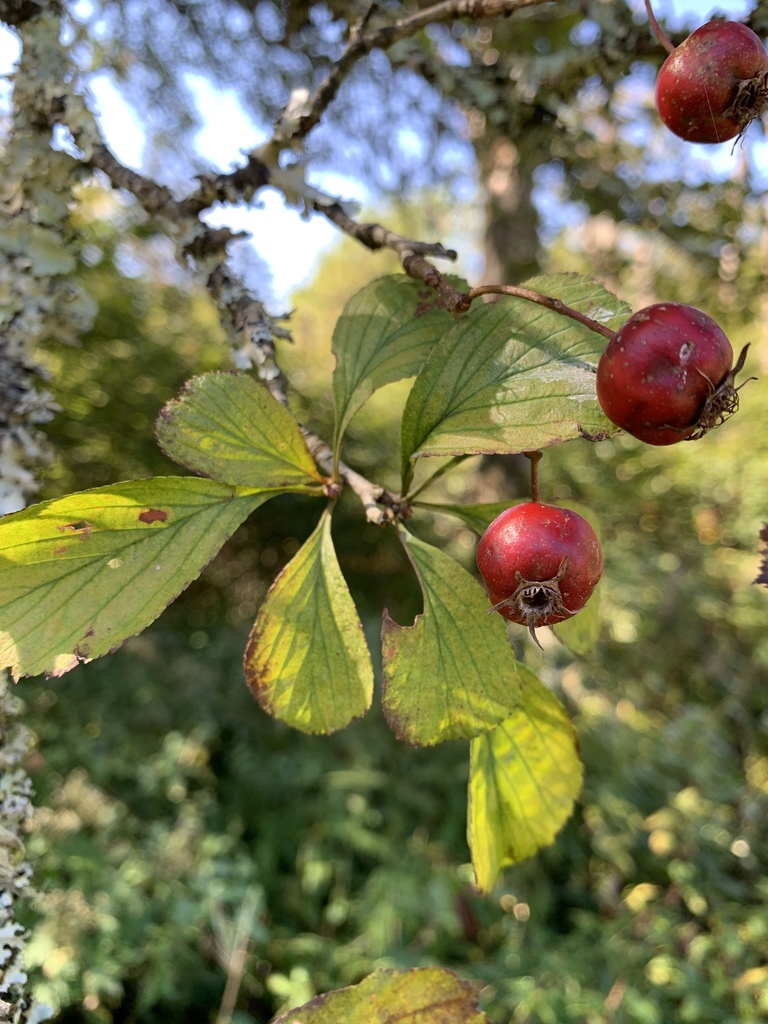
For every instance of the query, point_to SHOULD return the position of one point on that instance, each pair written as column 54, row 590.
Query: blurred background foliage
column 179, row 829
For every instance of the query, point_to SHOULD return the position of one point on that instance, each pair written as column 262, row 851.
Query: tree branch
column 360, row 45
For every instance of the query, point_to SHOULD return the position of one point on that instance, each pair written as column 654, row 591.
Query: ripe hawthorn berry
column 540, row 563
column 666, row 375
column 714, row 84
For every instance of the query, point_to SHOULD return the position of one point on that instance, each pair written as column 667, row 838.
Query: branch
column 410, row 253
column 360, row 45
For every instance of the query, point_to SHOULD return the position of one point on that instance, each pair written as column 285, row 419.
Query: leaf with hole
column 384, row 334
column 307, row 662
column 512, row 376
column 452, row 674
column 524, row 778
column 81, row 574
column 228, row 427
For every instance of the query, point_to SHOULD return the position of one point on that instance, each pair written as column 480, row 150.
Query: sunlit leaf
column 423, row 995
column 385, row 333
column 452, row 674
column 81, row 574
column 307, row 662
column 228, row 427
column 513, row 376
column 525, row 776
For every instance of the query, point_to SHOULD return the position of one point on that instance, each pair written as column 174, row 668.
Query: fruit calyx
column 723, row 400
column 535, row 600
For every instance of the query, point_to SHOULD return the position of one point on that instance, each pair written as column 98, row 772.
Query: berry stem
column 542, row 300
column 535, row 458
column 657, row 30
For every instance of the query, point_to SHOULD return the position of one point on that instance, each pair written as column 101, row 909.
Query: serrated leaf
column 452, row 674
column 385, row 333
column 477, row 517
column 228, row 427
column 524, row 778
column 581, row 632
column 423, row 995
column 307, row 662
column 81, row 574
column 512, row 376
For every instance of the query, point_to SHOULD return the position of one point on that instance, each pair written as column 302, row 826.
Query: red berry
column 714, row 83
column 666, row 375
column 540, row 563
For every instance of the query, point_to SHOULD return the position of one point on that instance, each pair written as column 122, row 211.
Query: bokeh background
column 196, row 859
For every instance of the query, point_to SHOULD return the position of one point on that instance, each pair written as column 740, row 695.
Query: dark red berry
column 666, row 375
column 714, row 84
column 540, row 563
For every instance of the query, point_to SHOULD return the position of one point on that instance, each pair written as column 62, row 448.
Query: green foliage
column 186, row 800
column 228, row 427
column 524, row 778
column 79, row 575
column 451, row 675
column 512, row 377
column 307, row 662
column 385, row 333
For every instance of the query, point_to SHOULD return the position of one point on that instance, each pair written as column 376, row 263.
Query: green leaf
column 307, row 662
column 512, row 377
column 228, row 427
column 385, row 333
column 477, row 517
column 452, row 674
column 524, row 778
column 81, row 574
column 423, row 995
column 581, row 632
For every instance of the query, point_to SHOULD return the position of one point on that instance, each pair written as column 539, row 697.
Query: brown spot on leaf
column 153, row 515
column 81, row 524
column 62, row 550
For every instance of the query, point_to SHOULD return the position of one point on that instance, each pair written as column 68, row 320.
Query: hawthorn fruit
column 667, row 375
column 714, row 84
column 540, row 563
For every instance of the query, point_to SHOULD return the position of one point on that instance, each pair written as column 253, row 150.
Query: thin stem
column 435, row 476
column 657, row 30
column 535, row 459
column 542, row 300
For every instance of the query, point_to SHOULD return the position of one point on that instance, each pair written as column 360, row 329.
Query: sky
column 228, row 131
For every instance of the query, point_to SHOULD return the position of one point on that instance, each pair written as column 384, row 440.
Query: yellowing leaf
column 525, row 776
column 424, row 995
column 228, row 427
column 452, row 674
column 81, row 574
column 307, row 662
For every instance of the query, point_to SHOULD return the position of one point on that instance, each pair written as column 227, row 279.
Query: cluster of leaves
column 81, row 574
column 352, row 847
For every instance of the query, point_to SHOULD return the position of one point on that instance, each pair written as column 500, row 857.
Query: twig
column 359, row 45
column 541, row 300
